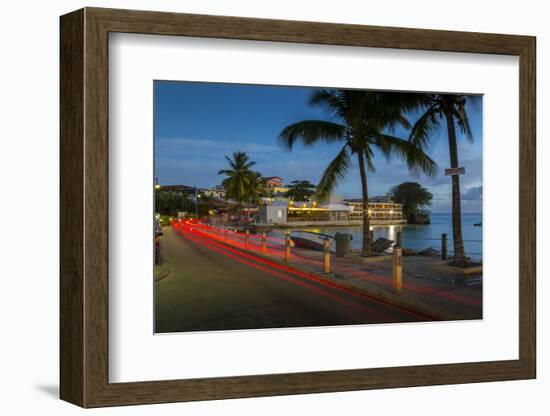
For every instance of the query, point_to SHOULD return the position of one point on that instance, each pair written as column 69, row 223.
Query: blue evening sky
column 197, row 124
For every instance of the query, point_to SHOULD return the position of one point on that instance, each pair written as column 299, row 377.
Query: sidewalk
column 427, row 289
column 435, row 294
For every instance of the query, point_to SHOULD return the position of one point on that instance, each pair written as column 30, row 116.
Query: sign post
column 455, row 171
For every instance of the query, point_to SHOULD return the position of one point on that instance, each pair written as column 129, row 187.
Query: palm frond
column 333, row 101
column 241, row 183
column 462, row 119
column 312, row 131
column 417, row 160
column 425, row 127
column 369, row 157
column 333, row 174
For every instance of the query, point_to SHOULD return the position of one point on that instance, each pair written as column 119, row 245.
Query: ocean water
column 417, row 237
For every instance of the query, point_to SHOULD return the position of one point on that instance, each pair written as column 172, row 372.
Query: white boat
column 310, row 239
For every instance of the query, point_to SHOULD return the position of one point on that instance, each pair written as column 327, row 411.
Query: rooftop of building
column 374, row 199
column 177, row 188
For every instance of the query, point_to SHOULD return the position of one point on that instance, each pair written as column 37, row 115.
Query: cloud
column 473, row 194
column 175, row 146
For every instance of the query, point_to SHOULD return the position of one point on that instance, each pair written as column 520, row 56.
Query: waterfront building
column 275, row 212
column 273, row 181
column 336, row 211
column 217, row 192
column 379, row 209
column 302, row 213
column 178, row 189
column 274, row 186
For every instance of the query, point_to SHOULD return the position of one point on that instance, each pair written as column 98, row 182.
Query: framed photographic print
column 256, row 207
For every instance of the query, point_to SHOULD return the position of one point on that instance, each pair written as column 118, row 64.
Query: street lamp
column 157, row 187
column 197, row 196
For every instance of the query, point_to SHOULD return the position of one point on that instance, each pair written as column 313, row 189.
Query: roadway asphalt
column 212, row 287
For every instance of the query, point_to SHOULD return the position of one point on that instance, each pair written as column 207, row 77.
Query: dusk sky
column 197, row 124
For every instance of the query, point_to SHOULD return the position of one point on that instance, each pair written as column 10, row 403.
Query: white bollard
column 397, row 269
column 287, row 246
column 326, row 255
column 264, row 247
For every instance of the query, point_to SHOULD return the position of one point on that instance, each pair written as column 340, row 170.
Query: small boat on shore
column 310, row 239
column 262, row 228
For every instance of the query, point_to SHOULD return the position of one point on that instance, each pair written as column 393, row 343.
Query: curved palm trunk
column 458, row 242
column 367, row 242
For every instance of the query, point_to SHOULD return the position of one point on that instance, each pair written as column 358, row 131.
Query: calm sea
column 417, row 237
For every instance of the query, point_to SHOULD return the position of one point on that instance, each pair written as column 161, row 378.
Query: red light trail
column 201, row 234
column 277, row 249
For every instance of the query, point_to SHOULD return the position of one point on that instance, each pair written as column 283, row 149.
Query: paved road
column 213, row 287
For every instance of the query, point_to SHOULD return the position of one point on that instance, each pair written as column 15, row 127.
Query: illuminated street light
column 157, row 203
column 197, row 196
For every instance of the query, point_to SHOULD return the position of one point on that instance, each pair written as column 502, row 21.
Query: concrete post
column 443, row 247
column 246, row 237
column 371, row 237
column 287, row 246
column 264, row 239
column 326, row 255
column 397, row 269
column 399, row 239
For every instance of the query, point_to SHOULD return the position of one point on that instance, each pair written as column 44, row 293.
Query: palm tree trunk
column 367, row 242
column 460, row 257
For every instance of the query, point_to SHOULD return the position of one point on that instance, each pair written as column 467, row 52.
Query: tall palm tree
column 452, row 109
column 242, row 183
column 362, row 122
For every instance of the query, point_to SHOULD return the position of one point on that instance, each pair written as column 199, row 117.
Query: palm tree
column 452, row 109
column 242, row 183
column 362, row 122
column 300, row 190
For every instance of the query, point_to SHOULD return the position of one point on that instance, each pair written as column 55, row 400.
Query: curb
column 163, row 274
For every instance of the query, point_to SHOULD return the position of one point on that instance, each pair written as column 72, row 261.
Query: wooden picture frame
column 84, row 207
